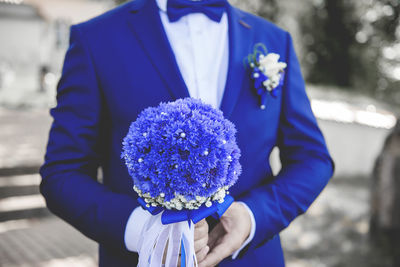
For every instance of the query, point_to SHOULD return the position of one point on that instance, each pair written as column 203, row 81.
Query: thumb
column 222, row 250
column 216, row 233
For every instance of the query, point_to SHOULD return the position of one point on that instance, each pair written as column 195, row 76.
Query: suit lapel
column 146, row 24
column 240, row 40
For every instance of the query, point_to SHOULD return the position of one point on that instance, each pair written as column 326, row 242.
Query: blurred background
column 350, row 56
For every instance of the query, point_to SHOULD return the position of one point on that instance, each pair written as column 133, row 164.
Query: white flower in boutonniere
column 267, row 72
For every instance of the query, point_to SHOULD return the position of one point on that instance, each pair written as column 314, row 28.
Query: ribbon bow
column 169, row 231
column 174, row 216
column 211, row 8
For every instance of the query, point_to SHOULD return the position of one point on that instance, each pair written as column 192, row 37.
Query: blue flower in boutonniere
column 267, row 72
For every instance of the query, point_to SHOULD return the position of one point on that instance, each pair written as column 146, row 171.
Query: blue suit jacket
column 120, row 63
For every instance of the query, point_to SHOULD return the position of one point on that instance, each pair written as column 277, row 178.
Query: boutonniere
column 267, row 72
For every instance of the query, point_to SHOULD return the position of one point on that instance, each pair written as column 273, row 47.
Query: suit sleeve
column 306, row 163
column 69, row 173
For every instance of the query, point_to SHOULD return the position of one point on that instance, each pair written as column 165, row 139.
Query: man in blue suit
column 148, row 51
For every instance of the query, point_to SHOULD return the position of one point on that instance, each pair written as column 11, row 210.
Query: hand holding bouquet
column 183, row 158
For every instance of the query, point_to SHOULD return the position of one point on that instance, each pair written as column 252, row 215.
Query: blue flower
column 183, row 149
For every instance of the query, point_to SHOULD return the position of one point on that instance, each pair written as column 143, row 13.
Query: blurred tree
column 385, row 198
column 269, row 9
column 381, row 26
column 350, row 43
column 120, row 1
column 328, row 36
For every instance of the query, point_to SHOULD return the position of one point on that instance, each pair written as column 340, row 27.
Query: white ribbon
column 156, row 237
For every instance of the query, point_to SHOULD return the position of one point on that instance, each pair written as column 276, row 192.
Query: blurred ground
column 334, row 232
column 23, row 136
column 47, row 242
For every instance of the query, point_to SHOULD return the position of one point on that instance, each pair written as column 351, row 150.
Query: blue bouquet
column 183, row 158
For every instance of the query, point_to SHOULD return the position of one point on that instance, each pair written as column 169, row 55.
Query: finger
column 215, row 257
column 201, row 231
column 201, row 223
column 200, row 256
column 216, row 233
column 218, row 253
column 200, row 244
column 200, row 234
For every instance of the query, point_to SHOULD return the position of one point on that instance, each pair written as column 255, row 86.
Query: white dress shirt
column 201, row 49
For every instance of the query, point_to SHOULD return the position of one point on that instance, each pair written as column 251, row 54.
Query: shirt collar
column 162, row 5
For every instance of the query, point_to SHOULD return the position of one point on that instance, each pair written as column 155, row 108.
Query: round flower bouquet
column 183, row 158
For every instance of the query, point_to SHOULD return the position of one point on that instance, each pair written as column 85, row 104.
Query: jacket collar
column 146, row 24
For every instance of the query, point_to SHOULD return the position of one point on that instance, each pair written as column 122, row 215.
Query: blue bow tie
column 211, row 8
